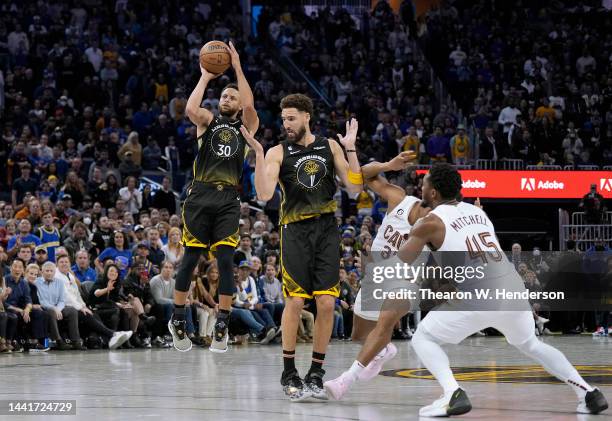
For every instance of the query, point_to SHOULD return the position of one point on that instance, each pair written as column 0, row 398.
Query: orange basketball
column 214, row 57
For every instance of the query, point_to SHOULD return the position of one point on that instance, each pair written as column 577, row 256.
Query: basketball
column 214, row 57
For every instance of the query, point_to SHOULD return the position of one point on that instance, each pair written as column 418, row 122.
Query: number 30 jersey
column 221, row 151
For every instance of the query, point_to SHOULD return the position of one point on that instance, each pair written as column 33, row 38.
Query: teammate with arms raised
column 306, row 166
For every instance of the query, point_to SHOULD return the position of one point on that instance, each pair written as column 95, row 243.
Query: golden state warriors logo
column 310, row 171
column 600, row 374
column 224, row 143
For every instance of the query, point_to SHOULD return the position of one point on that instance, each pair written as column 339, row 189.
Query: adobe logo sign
column 528, row 184
column 533, row 184
column 474, row 184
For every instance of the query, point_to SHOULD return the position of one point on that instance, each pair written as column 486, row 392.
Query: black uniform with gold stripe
column 310, row 242
column 212, row 208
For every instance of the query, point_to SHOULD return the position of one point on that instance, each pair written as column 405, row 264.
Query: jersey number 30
column 224, row 150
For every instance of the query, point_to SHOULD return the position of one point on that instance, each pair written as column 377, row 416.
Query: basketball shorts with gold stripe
column 310, row 257
column 211, row 214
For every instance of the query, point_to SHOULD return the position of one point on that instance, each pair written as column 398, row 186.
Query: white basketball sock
column 556, row 364
column 355, row 370
column 435, row 360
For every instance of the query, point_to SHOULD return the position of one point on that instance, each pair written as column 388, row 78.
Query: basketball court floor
column 243, row 384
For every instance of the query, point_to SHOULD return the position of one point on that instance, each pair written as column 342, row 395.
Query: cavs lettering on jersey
column 394, row 229
column 307, row 181
column 221, row 151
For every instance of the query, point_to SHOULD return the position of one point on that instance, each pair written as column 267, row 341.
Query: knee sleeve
column 186, row 267
column 225, row 263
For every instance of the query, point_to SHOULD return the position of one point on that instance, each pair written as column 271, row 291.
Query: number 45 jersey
column 470, row 241
column 221, row 151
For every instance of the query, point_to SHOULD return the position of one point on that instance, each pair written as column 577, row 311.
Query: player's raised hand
column 252, row 142
column 234, row 55
column 348, row 140
column 207, row 75
column 402, row 160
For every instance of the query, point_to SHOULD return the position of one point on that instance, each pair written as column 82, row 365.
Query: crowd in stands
column 539, row 73
column 92, row 96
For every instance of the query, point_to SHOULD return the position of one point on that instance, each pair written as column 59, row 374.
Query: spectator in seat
column 250, row 297
column 164, row 197
column 131, row 195
column 74, row 296
column 438, row 146
column 271, row 293
column 174, row 250
column 79, row 240
column 23, row 184
column 242, row 310
column 156, row 254
column 162, row 289
column 133, row 145
column 51, row 294
column 82, row 270
column 460, row 146
column 118, row 250
column 19, row 302
column 244, row 250
column 108, row 292
column 490, row 148
column 49, row 235
column 205, row 304
column 593, row 206
column 8, row 321
column 152, row 154
column 23, row 237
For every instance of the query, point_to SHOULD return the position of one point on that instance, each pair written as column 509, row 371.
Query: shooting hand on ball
column 207, row 75
column 234, row 55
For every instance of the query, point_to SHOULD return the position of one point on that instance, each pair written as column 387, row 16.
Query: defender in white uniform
column 369, row 321
column 458, row 227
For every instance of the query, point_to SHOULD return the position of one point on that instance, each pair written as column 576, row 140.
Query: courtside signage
column 533, row 184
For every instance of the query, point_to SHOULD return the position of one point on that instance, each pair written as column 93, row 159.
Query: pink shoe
column 338, row 387
column 372, row 369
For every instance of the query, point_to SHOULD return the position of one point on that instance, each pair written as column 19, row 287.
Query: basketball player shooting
column 211, row 211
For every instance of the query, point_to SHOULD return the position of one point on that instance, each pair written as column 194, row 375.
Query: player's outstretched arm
column 428, row 231
column 247, row 102
column 199, row 116
column 267, row 167
column 349, row 172
column 390, row 193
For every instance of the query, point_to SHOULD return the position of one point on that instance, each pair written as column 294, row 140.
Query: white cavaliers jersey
column 392, row 233
column 465, row 224
column 395, row 227
column 470, row 232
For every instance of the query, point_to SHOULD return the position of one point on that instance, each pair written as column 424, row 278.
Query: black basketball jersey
column 307, row 180
column 221, row 150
